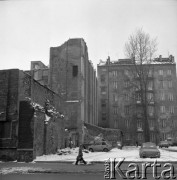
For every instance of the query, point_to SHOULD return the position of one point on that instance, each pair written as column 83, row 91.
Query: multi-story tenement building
column 120, row 103
column 71, row 74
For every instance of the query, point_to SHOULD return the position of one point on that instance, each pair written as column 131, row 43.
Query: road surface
column 59, row 177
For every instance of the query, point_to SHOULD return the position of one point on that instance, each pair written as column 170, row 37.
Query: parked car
column 149, row 150
column 163, row 144
column 172, row 141
column 100, row 146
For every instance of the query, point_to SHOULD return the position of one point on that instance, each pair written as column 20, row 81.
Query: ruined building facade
column 23, row 133
column 119, row 105
column 72, row 75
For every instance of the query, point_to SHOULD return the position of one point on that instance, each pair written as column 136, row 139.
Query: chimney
column 108, row 60
column 171, row 58
column 160, row 57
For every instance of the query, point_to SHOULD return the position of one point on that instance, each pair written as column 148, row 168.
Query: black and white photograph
column 88, row 89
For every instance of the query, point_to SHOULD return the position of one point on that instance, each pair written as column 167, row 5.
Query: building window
column 150, row 85
column 138, row 96
column 126, row 72
column 170, row 96
column 150, row 73
column 162, row 96
column 115, row 85
column 150, row 97
column 169, row 72
column 115, row 97
column 115, row 123
column 126, row 84
column 114, row 73
column 127, row 123
column 169, row 84
column 162, row 84
column 75, row 71
column 139, row 124
column 150, row 110
column 5, row 129
column 171, row 109
column 103, row 116
column 127, row 96
column 151, row 124
column 103, row 78
column 140, row 136
column 115, row 110
column 103, row 90
column 162, row 109
column 163, row 123
column 103, row 103
column 103, row 69
column 161, row 72
column 126, row 110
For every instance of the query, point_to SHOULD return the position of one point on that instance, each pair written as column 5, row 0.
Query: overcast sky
column 28, row 28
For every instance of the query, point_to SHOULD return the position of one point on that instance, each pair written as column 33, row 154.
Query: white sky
column 28, row 28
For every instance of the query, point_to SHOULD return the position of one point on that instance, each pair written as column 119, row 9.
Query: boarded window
column 75, row 71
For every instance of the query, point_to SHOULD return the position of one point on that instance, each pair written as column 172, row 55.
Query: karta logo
column 133, row 170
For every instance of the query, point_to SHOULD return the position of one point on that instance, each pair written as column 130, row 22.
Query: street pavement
column 52, row 176
column 60, row 168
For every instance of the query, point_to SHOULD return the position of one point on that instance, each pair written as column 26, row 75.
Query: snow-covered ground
column 173, row 148
column 130, row 153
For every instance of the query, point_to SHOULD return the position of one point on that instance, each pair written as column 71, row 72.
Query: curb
column 102, row 162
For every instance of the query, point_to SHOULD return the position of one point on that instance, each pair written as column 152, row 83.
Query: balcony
column 138, row 102
column 139, row 129
column 151, row 102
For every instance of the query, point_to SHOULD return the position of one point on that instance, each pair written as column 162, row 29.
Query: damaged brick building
column 72, row 75
column 23, row 135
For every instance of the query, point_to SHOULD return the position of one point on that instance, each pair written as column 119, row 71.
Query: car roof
column 149, row 143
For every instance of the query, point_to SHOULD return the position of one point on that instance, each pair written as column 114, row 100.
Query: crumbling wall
column 111, row 135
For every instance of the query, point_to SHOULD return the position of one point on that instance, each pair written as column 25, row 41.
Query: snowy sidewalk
column 129, row 153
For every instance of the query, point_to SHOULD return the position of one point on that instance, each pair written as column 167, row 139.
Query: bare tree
column 141, row 49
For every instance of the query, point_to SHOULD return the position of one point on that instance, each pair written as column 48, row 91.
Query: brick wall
column 55, row 128
column 8, row 113
column 74, row 85
column 20, row 131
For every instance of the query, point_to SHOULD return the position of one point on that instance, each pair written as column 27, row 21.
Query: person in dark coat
column 80, row 156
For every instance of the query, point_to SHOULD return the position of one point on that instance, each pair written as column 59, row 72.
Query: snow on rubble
column 130, row 153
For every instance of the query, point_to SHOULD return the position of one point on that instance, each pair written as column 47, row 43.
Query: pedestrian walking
column 80, row 156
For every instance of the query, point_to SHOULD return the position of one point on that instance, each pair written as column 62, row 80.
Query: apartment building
column 120, row 102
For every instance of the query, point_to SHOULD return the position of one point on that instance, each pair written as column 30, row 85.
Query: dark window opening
column 103, row 78
column 75, row 71
column 103, row 105
column 103, row 116
column 5, row 129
